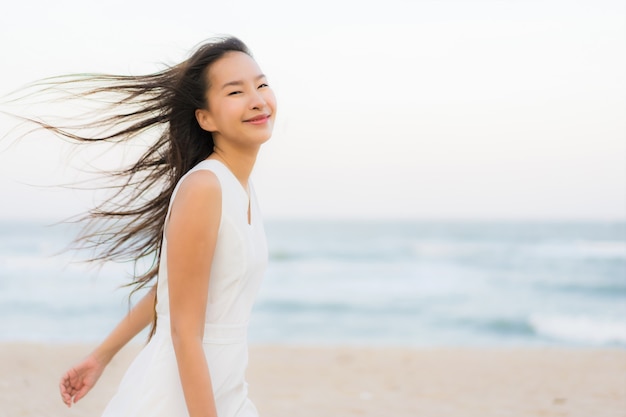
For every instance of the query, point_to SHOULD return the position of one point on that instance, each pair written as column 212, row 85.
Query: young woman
column 202, row 226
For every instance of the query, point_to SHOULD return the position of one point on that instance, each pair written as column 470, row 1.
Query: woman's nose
column 257, row 101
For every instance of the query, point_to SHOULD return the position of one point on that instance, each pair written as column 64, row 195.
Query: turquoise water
column 374, row 283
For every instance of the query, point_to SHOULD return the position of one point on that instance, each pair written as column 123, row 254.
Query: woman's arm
column 79, row 379
column 191, row 239
column 135, row 321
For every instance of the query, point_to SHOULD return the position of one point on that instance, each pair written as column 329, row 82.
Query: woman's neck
column 239, row 162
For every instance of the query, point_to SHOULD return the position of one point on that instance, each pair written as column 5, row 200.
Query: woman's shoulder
column 198, row 192
column 201, row 183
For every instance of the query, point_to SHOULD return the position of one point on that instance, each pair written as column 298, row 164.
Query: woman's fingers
column 81, row 393
column 69, row 386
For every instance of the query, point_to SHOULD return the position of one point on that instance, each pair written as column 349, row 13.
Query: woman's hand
column 79, row 379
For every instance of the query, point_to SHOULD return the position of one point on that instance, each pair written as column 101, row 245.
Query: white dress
column 151, row 387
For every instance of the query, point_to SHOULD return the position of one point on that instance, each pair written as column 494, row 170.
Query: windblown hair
column 128, row 226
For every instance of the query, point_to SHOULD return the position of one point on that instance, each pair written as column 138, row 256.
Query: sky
column 452, row 110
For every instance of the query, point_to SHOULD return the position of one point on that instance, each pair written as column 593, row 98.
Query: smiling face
column 241, row 105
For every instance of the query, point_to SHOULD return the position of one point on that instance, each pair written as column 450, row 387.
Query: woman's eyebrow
column 240, row 82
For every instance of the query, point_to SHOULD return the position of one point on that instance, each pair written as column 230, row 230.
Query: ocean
column 379, row 283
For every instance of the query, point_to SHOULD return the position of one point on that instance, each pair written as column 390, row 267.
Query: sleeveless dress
column 151, row 386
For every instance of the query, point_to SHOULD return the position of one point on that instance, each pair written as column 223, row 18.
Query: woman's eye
column 263, row 85
column 232, row 93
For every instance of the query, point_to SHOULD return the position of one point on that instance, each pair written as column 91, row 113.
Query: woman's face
column 242, row 106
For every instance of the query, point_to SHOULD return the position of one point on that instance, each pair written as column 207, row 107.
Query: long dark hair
column 128, row 225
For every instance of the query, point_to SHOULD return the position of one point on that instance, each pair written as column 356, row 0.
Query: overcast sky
column 395, row 109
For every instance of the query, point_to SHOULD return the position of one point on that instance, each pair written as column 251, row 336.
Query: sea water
column 361, row 283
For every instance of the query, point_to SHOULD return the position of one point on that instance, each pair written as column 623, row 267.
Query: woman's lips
column 258, row 120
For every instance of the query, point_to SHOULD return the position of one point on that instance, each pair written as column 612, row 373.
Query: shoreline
column 305, row 381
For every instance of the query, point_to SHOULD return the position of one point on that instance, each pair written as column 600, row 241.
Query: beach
column 303, row 381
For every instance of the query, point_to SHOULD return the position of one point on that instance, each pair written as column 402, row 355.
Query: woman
column 216, row 109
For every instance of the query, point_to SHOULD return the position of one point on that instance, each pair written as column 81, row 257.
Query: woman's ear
column 205, row 120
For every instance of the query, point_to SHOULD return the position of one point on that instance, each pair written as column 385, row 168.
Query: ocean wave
column 457, row 249
column 576, row 330
column 340, row 254
column 587, row 249
column 287, row 306
column 580, row 329
column 578, row 249
column 508, row 326
column 611, row 290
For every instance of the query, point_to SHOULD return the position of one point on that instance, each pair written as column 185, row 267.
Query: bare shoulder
column 200, row 192
column 201, row 184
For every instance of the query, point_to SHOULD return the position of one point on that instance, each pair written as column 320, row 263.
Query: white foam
column 580, row 328
column 584, row 249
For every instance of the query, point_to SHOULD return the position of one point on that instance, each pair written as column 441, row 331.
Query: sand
column 291, row 381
